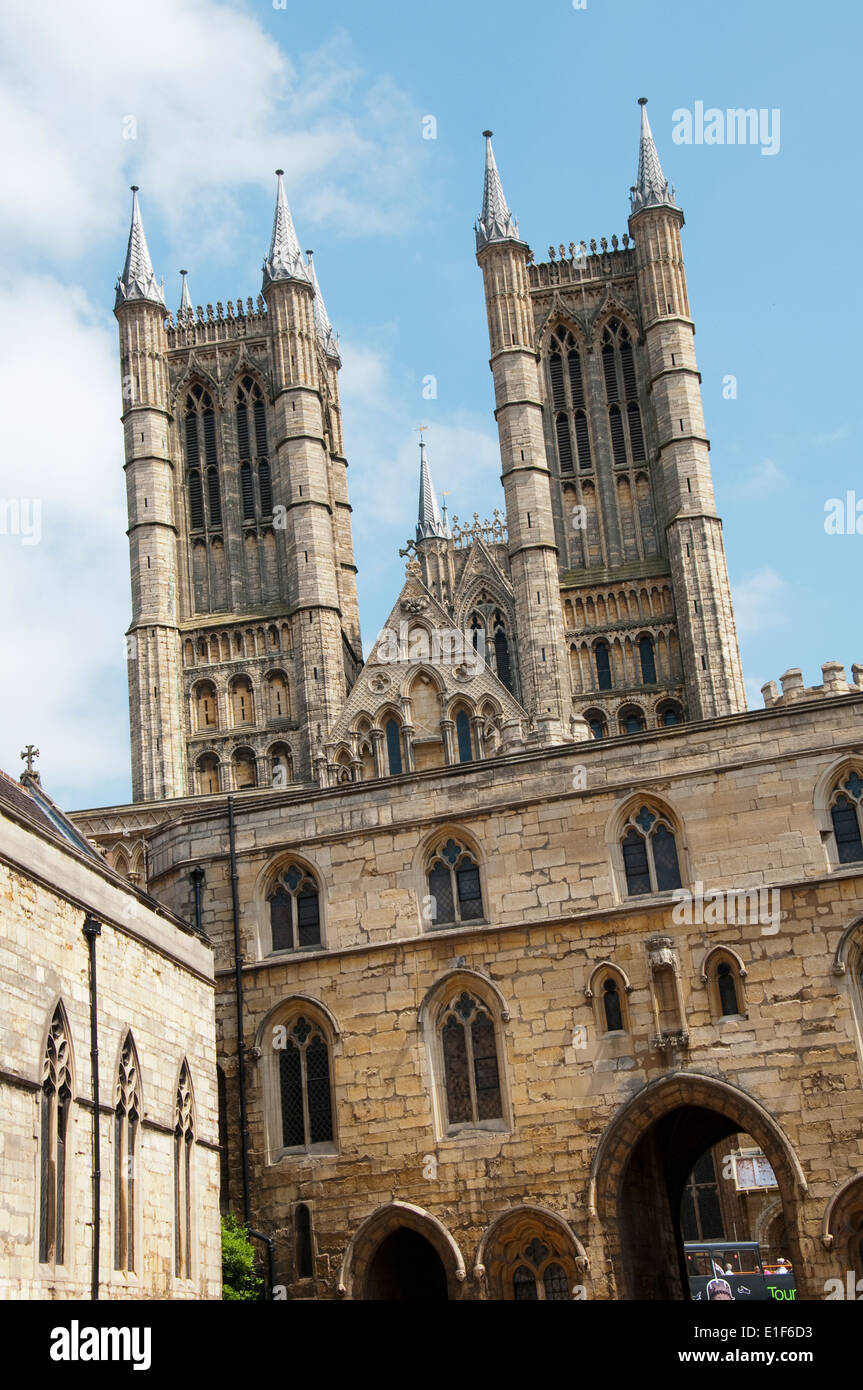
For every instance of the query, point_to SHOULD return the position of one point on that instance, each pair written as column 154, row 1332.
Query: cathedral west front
column 528, row 936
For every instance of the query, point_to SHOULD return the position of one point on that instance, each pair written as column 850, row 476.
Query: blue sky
column 221, row 94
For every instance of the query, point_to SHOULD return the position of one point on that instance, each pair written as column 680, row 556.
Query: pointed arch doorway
column 406, row 1268
column 643, row 1164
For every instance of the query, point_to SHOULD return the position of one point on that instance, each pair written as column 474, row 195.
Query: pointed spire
column 429, row 522
column 285, row 261
column 138, row 280
column 185, row 313
column 496, row 222
column 326, row 337
column 652, row 189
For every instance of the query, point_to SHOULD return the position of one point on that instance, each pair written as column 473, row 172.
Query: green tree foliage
column 239, row 1280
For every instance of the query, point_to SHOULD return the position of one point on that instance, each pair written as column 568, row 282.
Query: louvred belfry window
column 566, row 389
column 621, row 392
column 251, row 415
column 650, row 857
column 846, row 813
column 454, row 886
column 470, row 1060
column 304, row 1087
column 200, row 437
column 295, row 918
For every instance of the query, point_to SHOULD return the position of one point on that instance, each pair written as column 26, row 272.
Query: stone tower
column 533, row 554
column 245, row 627
column 605, row 468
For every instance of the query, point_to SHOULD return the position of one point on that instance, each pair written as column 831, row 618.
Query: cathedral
column 530, row 941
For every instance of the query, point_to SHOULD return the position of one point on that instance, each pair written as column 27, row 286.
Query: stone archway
column 642, row 1164
column 402, row 1253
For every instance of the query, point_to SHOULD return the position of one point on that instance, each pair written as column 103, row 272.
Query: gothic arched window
column 602, row 657
column 266, row 488
column 392, row 733
column 127, row 1115
column 304, row 1086
column 214, row 497
column 540, row 1280
column 184, row 1138
column 727, row 989
column 454, row 886
column 568, row 402
column 647, row 658
column 501, row 652
column 621, row 390
column 196, row 500
column 470, row 1063
column 54, row 1133
column 463, row 736
column 251, row 446
column 295, row 916
column 200, row 438
column 611, row 1005
column 846, row 814
column 649, row 854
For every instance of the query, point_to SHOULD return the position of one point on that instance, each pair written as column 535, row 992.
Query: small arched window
column 242, row 704
column 727, row 989
column 524, row 1285
column 208, row 774
column 303, row 1242
column 204, row 697
column 454, row 886
column 245, row 768
column 648, row 659
column 611, row 1005
column 596, row 722
column 501, row 652
column 670, row 714
column 631, row 720
column 846, row 814
column 295, row 917
column 602, row 657
column 54, row 1133
column 470, row 1063
column 463, row 736
column 305, row 1089
column 392, row 733
column 649, row 854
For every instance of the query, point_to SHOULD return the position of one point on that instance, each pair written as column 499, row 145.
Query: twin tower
column 245, row 640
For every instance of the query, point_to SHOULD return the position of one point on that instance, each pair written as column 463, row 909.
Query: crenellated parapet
column 220, row 324
column 793, row 688
column 580, row 265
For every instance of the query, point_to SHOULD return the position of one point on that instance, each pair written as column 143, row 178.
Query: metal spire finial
column 651, row 187
column 185, row 310
column 496, row 222
column 138, row 280
column 285, row 261
column 429, row 522
column 324, row 329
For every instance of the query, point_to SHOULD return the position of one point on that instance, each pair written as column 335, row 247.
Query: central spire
column 429, row 522
column 138, row 280
column 496, row 222
column 285, row 261
column 651, row 189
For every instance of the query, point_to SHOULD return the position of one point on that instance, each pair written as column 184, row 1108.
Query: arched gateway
column 642, row 1164
column 402, row 1253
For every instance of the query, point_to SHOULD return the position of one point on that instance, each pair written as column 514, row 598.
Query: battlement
column 580, row 265
column 216, row 325
column 793, row 688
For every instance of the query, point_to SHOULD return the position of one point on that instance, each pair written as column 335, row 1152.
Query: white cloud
column 760, row 602
column 217, row 105
column 764, row 479
column 64, row 602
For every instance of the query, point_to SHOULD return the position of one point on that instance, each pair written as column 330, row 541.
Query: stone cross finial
column 29, row 755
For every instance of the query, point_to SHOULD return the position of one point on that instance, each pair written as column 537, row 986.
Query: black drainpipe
column 241, row 1045
column 197, row 877
column 92, row 929
column 271, row 1261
